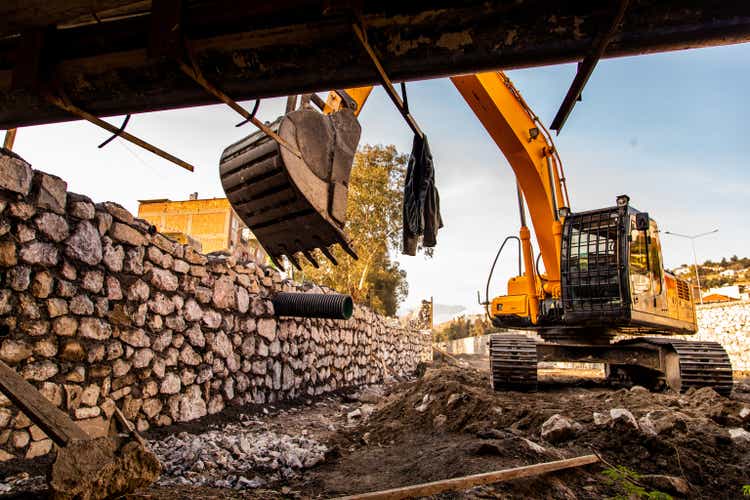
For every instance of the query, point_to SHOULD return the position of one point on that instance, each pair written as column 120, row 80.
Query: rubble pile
column 98, row 310
column 233, row 456
column 23, row 481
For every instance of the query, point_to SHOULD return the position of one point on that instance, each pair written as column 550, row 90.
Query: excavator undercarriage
column 653, row 362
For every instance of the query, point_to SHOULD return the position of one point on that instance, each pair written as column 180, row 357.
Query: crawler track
column 513, row 363
column 702, row 364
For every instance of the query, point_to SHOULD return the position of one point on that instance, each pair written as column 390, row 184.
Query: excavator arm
column 528, row 147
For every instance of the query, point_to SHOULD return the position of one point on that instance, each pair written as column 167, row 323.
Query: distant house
column 713, row 298
column 731, row 292
column 210, row 222
column 728, row 273
column 681, row 271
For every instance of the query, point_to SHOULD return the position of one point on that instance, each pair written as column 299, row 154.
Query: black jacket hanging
column 421, row 199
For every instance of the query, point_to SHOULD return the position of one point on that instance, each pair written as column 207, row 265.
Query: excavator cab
column 295, row 201
column 613, row 276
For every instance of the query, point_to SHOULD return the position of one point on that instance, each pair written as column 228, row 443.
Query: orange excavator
column 603, row 277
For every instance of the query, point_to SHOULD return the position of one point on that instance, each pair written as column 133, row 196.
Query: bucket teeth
column 329, row 255
column 311, row 259
column 294, row 205
column 294, row 262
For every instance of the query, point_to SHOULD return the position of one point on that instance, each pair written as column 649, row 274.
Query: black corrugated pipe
column 313, row 305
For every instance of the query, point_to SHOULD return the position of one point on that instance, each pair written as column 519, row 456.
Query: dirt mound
column 460, row 426
column 449, row 400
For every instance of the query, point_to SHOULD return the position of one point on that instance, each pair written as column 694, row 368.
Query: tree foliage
column 710, row 272
column 374, row 227
column 464, row 326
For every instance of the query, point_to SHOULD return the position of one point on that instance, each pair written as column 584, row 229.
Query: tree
column 374, row 227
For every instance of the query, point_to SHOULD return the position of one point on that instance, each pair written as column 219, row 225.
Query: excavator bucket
column 294, row 204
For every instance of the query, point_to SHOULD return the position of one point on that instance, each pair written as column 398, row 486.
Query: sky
column 666, row 129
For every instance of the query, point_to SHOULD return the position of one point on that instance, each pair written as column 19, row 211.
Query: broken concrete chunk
column 739, row 435
column 422, row 407
column 601, row 418
column 623, row 415
column 559, row 428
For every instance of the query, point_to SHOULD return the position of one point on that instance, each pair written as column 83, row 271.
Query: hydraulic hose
column 492, row 270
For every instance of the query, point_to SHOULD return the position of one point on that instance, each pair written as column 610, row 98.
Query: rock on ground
column 99, row 469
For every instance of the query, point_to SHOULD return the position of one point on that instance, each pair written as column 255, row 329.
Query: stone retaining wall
column 729, row 324
column 98, row 310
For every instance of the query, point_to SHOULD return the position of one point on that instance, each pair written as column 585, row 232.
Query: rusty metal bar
column 386, row 82
column 10, row 138
column 192, row 71
column 586, row 68
column 71, row 108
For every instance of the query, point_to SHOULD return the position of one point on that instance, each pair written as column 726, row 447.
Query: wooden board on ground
column 466, row 482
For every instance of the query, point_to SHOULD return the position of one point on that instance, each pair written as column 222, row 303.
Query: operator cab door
column 647, row 289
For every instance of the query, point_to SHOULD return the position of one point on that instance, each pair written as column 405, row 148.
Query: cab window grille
column 590, row 262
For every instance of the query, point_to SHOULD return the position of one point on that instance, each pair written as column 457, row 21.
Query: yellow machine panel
column 511, row 304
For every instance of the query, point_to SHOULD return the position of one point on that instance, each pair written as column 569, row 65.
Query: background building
column 210, row 223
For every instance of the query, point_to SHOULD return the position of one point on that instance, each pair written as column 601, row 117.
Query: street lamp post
column 692, row 239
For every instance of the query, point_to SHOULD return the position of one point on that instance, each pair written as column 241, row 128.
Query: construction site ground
column 447, row 423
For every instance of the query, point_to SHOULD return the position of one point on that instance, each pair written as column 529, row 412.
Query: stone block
column 127, row 234
column 15, row 174
column 44, row 254
column 85, row 244
column 49, row 192
column 8, row 257
column 52, row 226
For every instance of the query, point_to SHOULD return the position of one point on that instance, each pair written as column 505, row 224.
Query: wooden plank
column 67, row 106
column 466, row 482
column 10, row 138
column 56, row 424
